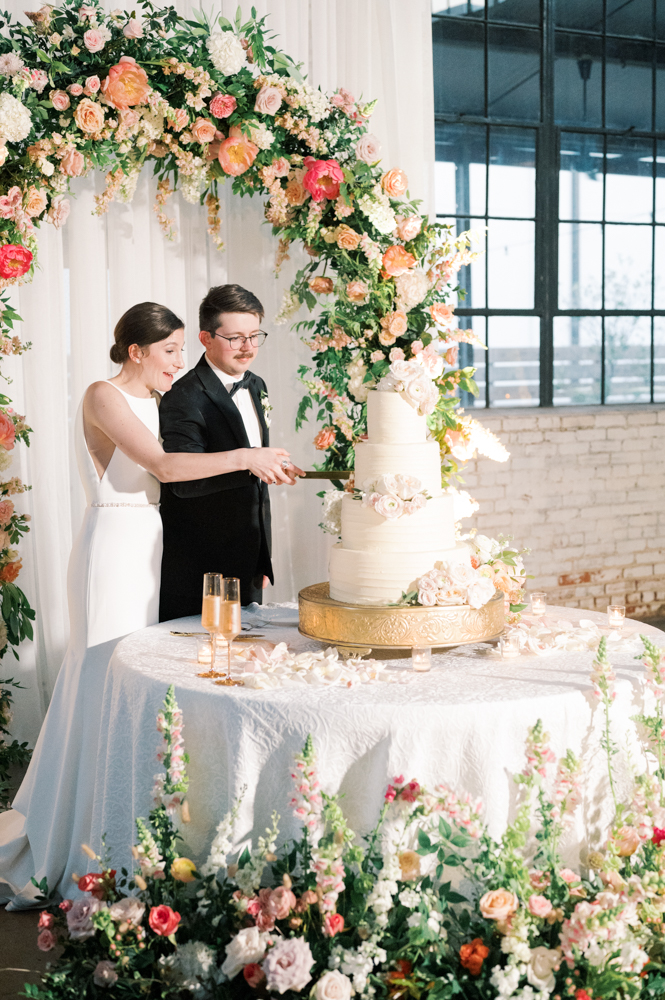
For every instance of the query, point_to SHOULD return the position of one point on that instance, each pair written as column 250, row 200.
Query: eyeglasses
column 237, row 342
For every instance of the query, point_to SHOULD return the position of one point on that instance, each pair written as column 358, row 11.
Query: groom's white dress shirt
column 243, row 400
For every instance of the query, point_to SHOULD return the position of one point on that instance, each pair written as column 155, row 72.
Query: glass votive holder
column 509, row 644
column 421, row 658
column 616, row 615
column 538, row 603
column 204, row 649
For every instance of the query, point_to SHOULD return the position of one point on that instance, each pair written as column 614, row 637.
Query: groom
column 220, row 524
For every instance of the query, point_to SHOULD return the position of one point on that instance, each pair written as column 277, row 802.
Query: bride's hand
column 266, row 463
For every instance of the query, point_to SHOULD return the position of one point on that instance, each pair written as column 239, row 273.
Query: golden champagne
column 229, row 619
column 210, row 613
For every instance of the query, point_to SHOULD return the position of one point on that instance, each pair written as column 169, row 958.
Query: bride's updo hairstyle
column 144, row 324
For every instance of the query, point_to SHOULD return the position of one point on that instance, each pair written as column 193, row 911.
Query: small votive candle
column 509, row 644
column 616, row 615
column 421, row 658
column 204, row 649
column 538, row 603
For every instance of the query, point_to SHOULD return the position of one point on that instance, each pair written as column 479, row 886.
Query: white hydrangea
column 332, row 511
column 193, row 966
column 357, row 962
column 376, row 206
column 505, row 981
column 226, row 53
column 261, row 135
column 10, row 64
column 15, row 120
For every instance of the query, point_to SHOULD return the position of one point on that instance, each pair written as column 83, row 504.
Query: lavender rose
column 128, row 908
column 288, row 965
column 105, row 974
column 79, row 918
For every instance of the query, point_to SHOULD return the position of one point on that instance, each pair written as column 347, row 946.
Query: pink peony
column 93, row 40
column 75, row 89
column 92, row 85
column 368, row 148
column 47, row 940
column 59, row 100
column 223, row 105
column 133, row 29
column 323, row 178
column 127, row 84
column 288, row 965
column 539, row 906
column 73, row 163
column 105, row 974
column 268, row 101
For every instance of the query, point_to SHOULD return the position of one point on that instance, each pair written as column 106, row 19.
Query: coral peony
column 223, row 105
column 472, row 955
column 73, row 163
column 236, row 154
column 397, row 260
column 395, row 183
column 127, row 84
column 89, row 116
column 323, row 178
column 163, row 920
column 325, row 438
column 322, row 286
column 203, row 130
column 15, row 261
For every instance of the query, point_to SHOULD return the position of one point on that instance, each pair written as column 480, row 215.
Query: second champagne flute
column 211, row 612
column 229, row 619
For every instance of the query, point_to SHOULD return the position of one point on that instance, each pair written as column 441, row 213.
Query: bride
column 113, row 589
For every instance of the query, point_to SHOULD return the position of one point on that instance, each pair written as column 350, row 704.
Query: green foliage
column 12, row 754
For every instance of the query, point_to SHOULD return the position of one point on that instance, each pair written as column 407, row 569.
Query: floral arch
column 81, row 90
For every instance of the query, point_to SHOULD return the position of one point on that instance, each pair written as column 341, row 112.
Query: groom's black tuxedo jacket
column 220, row 524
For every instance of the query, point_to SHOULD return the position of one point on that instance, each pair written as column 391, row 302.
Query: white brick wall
column 584, row 489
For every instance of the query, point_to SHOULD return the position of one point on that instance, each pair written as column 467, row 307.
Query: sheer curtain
column 94, row 269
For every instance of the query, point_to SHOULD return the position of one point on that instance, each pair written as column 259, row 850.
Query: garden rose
column 357, row 292
column 58, row 213
column 163, row 920
column 396, row 354
column 472, row 955
column 247, row 947
column 127, row 84
column 133, row 29
column 223, row 105
column 73, row 163
column 479, row 592
column 408, row 227
column 347, row 238
column 94, row 40
column 105, row 974
column 45, row 920
column 89, row 116
column 11, row 571
column 280, row 903
column 393, row 326
column 79, row 918
column 203, row 130
column 15, row 261
column 268, row 101
column 288, row 965
column 75, row 89
column 128, row 908
column 368, row 148
column 322, row 286
column 498, row 904
column 442, row 314
column 254, row 975
column 323, row 178
column 333, row 924
column 236, row 154
column 325, row 438
column 540, row 970
column 59, row 100
column 626, row 841
column 183, row 870
column 295, row 192
column 92, row 85
column 389, row 506
column 47, row 940
column 333, row 986
column 394, row 183
column 397, row 260
column 539, row 906
column 35, row 202
column 409, row 863
column 427, row 598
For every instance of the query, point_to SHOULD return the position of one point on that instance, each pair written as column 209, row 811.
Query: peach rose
column 59, row 100
column 409, row 863
column 295, row 191
column 626, row 841
column 92, row 85
column 203, row 130
column 236, row 154
column 539, row 906
column 395, row 183
column 89, row 116
column 321, row 286
column 442, row 314
column 325, row 439
column 7, row 432
column 357, row 291
column 11, row 571
column 73, row 163
column 396, row 354
column 347, row 238
column 392, row 326
column 397, row 260
column 93, row 40
column 498, row 904
column 223, row 105
column 127, row 84
column 409, row 227
column 268, row 101
column 35, row 202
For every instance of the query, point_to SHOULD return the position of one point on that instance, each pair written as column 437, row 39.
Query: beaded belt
column 124, row 505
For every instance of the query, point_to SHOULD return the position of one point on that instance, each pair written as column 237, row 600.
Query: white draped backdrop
column 94, row 269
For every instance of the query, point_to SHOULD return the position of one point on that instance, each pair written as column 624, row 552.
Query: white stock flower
column 505, row 981
column 226, row 53
column 409, row 898
column 15, row 120
column 249, row 945
column 376, row 206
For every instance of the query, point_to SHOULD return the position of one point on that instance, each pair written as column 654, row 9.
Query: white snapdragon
column 248, row 878
column 222, row 844
column 380, row 900
column 376, row 206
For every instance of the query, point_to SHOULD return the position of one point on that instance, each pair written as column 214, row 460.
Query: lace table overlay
column 464, row 723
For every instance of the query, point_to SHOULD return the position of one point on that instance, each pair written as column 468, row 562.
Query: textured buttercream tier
column 431, row 527
column 382, row 577
column 391, row 420
column 421, row 459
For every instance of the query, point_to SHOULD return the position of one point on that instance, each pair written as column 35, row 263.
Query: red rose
column 15, row 260
column 97, row 884
column 163, row 920
column 333, row 924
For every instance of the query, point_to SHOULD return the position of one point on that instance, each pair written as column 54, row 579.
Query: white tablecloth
column 464, row 723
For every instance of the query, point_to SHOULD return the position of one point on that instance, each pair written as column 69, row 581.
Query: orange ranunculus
column 237, row 153
column 324, row 439
column 89, row 116
column 442, row 314
column 10, row 571
column 322, row 286
column 127, row 84
column 395, row 183
column 397, row 260
column 473, row 954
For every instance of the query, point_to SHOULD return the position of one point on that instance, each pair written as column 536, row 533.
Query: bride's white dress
column 113, row 589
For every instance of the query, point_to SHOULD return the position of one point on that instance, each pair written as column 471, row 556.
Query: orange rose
column 236, row 154
column 409, row 863
column 325, row 439
column 392, row 326
column 127, row 84
column 10, row 571
column 472, row 955
column 347, row 238
column 395, row 183
column 203, row 130
column 357, row 291
column 89, row 116
column 322, row 286
column 35, row 202
column 397, row 260
column 442, row 314
column 498, row 904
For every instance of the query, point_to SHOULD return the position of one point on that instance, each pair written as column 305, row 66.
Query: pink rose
column 133, row 29
column 368, row 148
column 75, row 89
column 409, row 227
column 268, row 101
column 396, row 354
column 58, row 213
column 223, row 105
column 47, row 940
column 498, row 904
column 416, row 347
column 59, row 100
column 73, row 163
column 10, row 202
column 427, row 598
column 333, row 924
column 92, row 85
column 539, row 906
column 288, row 965
column 280, row 902
column 105, row 974
column 93, row 40
column 45, row 919
column 323, row 178
column 569, row 876
column 203, row 130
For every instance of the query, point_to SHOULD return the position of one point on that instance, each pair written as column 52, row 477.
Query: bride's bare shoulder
column 101, row 394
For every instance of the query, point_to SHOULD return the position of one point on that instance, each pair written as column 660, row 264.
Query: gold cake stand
column 360, row 627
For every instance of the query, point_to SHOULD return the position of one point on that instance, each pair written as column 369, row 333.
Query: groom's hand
column 292, row 471
column 271, row 465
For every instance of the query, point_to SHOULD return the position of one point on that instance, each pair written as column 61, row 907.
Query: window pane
column 659, row 270
column 660, row 88
column 630, row 17
column 578, row 79
column 628, row 81
column 627, row 359
column 580, row 265
column 659, row 359
column 581, row 177
column 526, row 11
column 512, row 180
column 460, row 169
column 510, row 264
column 514, row 364
column 660, row 182
column 458, row 8
column 575, row 14
column 577, row 359
column 629, row 182
column 459, row 66
column 513, row 73
column 627, row 267
column 476, row 357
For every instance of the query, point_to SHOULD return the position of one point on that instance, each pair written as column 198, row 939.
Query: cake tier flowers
column 393, row 496
column 415, row 382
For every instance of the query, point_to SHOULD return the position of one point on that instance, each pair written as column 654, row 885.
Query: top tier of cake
column 392, row 420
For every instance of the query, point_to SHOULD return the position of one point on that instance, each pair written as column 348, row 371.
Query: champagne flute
column 229, row 619
column 211, row 613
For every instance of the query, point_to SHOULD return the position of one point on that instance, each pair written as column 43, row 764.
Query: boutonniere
column 267, row 407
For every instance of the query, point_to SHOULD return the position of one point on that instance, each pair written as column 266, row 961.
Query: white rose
column 428, row 583
column 479, row 592
column 484, row 547
column 226, row 53
column 368, row 148
column 407, row 486
column 416, row 391
column 249, row 945
column 403, row 371
column 333, row 986
column 389, row 506
column 387, row 484
column 428, row 599
column 540, row 970
column 128, row 908
column 461, row 573
column 412, row 287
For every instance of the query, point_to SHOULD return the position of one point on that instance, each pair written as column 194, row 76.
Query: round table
column 463, row 724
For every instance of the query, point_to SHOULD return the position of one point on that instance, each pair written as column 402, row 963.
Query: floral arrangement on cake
column 414, row 381
column 385, row 914
column 393, row 496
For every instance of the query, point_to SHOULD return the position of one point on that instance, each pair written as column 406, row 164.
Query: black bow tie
column 242, row 384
